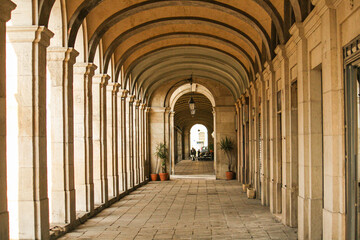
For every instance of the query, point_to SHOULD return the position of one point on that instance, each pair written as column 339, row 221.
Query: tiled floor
column 188, row 167
column 185, row 209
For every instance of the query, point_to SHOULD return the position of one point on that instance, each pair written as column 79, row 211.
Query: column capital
column 116, row 87
column 62, row 54
column 268, row 67
column 253, row 86
column 90, row 69
column 36, row 34
column 142, row 106
column 147, row 109
column 137, row 103
column 130, row 98
column 85, row 68
column 242, row 99
column 123, row 93
column 238, row 101
column 297, row 31
column 5, row 11
column 105, row 80
column 101, row 79
column 280, row 52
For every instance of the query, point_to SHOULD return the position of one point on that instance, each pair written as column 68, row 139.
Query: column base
column 84, row 197
column 130, row 180
column 4, row 225
column 310, row 218
column 334, row 225
column 138, row 180
column 123, row 182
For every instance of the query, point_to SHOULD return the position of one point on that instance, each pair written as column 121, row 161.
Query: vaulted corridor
column 100, row 99
column 185, row 209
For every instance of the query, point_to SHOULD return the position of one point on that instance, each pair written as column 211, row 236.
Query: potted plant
column 154, row 176
column 227, row 145
column 161, row 154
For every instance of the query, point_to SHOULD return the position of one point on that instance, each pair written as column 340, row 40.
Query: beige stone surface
column 185, row 209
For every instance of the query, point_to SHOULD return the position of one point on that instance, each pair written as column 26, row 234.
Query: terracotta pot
column 164, row 176
column 154, row 176
column 229, row 175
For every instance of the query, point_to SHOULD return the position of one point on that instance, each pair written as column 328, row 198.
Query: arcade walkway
column 185, row 209
column 188, row 167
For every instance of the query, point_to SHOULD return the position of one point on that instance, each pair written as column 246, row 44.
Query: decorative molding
column 351, row 50
column 5, row 10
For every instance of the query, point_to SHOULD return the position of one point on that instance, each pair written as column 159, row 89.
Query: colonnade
column 75, row 139
column 290, row 143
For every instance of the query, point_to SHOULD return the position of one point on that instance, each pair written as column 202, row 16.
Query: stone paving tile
column 185, row 209
column 188, row 167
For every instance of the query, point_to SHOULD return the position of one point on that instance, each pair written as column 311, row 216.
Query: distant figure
column 198, row 152
column 193, row 154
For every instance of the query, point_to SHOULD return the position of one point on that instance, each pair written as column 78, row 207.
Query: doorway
column 352, row 115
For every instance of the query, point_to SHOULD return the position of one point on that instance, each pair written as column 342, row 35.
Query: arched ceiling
column 148, row 42
column 203, row 115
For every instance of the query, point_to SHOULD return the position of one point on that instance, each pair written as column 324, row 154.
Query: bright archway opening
column 192, row 136
column 199, row 138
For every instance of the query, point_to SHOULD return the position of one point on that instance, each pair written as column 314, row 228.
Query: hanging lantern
column 192, row 106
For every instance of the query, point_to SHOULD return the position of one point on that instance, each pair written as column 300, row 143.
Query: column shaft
column 123, row 139
column 62, row 201
column 5, row 11
column 27, row 69
column 83, row 154
column 129, row 142
column 99, row 138
column 115, row 139
column 146, row 143
column 111, row 179
column 136, row 142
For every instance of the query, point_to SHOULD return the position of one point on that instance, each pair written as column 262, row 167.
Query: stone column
column 5, row 14
column 109, row 140
column 60, row 64
column 272, row 125
column 264, row 176
column 129, row 141
column 146, row 143
column 115, row 139
column 186, row 141
column 333, row 131
column 240, row 142
column 83, row 154
column 99, row 138
column 142, row 141
column 224, row 127
column 255, row 132
column 122, row 139
column 29, row 72
column 251, row 111
column 310, row 182
column 238, row 170
column 286, row 165
column 173, row 143
column 136, row 142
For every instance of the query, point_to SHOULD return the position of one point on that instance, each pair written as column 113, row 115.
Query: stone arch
column 171, row 20
column 186, row 88
column 58, row 24
column 171, row 101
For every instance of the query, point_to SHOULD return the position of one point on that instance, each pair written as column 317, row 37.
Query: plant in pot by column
column 161, row 154
column 227, row 145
